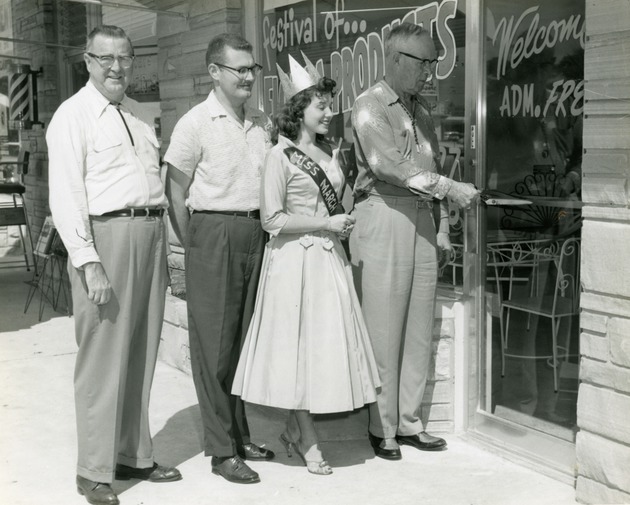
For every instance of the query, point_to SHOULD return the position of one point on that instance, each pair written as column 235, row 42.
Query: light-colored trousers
column 118, row 344
column 394, row 258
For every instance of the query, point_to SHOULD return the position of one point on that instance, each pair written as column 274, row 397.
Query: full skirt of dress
column 307, row 346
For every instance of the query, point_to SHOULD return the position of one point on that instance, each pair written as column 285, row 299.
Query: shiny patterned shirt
column 389, row 160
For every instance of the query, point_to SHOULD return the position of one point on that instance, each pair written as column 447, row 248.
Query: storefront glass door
column 507, row 105
column 533, row 54
column 344, row 39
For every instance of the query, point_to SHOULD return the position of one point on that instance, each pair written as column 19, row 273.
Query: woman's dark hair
column 287, row 121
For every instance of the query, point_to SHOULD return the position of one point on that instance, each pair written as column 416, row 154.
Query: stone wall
column 174, row 348
column 438, row 402
column 603, row 443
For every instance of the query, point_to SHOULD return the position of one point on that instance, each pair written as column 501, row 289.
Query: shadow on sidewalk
column 181, row 439
column 343, row 436
column 13, row 292
column 177, row 442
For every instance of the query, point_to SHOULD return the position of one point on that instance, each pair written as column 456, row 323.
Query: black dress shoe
column 436, row 444
column 253, row 452
column 234, row 469
column 96, row 493
column 155, row 473
column 381, row 452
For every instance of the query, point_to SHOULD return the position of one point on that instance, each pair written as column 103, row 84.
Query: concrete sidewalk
column 38, row 443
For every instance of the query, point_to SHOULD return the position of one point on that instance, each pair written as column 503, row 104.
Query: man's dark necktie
column 117, row 106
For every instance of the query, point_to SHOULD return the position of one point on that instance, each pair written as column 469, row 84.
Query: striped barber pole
column 20, row 98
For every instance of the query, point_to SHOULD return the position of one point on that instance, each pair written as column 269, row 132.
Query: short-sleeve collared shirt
column 223, row 158
column 392, row 159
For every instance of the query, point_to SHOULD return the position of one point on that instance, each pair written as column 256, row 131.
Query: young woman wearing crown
column 307, row 349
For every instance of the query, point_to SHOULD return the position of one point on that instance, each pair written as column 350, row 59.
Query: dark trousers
column 223, row 260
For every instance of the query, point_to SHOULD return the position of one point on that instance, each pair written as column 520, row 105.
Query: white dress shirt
column 95, row 168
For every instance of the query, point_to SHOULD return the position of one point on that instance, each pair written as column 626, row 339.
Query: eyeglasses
column 107, row 60
column 426, row 63
column 243, row 71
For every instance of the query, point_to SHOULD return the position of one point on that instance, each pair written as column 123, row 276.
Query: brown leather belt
column 251, row 214
column 142, row 212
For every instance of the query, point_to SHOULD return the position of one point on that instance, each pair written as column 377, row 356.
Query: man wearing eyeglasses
column 394, row 245
column 107, row 201
column 215, row 158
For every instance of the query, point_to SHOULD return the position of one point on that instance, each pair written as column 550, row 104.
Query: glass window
column 345, row 42
column 534, row 54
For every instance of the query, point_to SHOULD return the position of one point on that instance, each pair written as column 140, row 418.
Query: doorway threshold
column 545, row 453
column 542, row 425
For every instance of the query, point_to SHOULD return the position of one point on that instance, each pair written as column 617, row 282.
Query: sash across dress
column 307, row 346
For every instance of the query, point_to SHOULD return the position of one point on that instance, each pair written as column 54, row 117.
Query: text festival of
column 357, row 67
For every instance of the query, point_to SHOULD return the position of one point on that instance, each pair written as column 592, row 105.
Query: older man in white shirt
column 107, row 202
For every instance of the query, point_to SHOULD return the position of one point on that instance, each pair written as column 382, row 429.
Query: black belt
column 142, row 212
column 252, row 214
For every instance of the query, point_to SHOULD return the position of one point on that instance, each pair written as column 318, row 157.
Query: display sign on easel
column 48, row 278
column 46, row 238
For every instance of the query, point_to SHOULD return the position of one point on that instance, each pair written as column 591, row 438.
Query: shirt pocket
column 403, row 140
column 106, row 143
column 106, row 153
